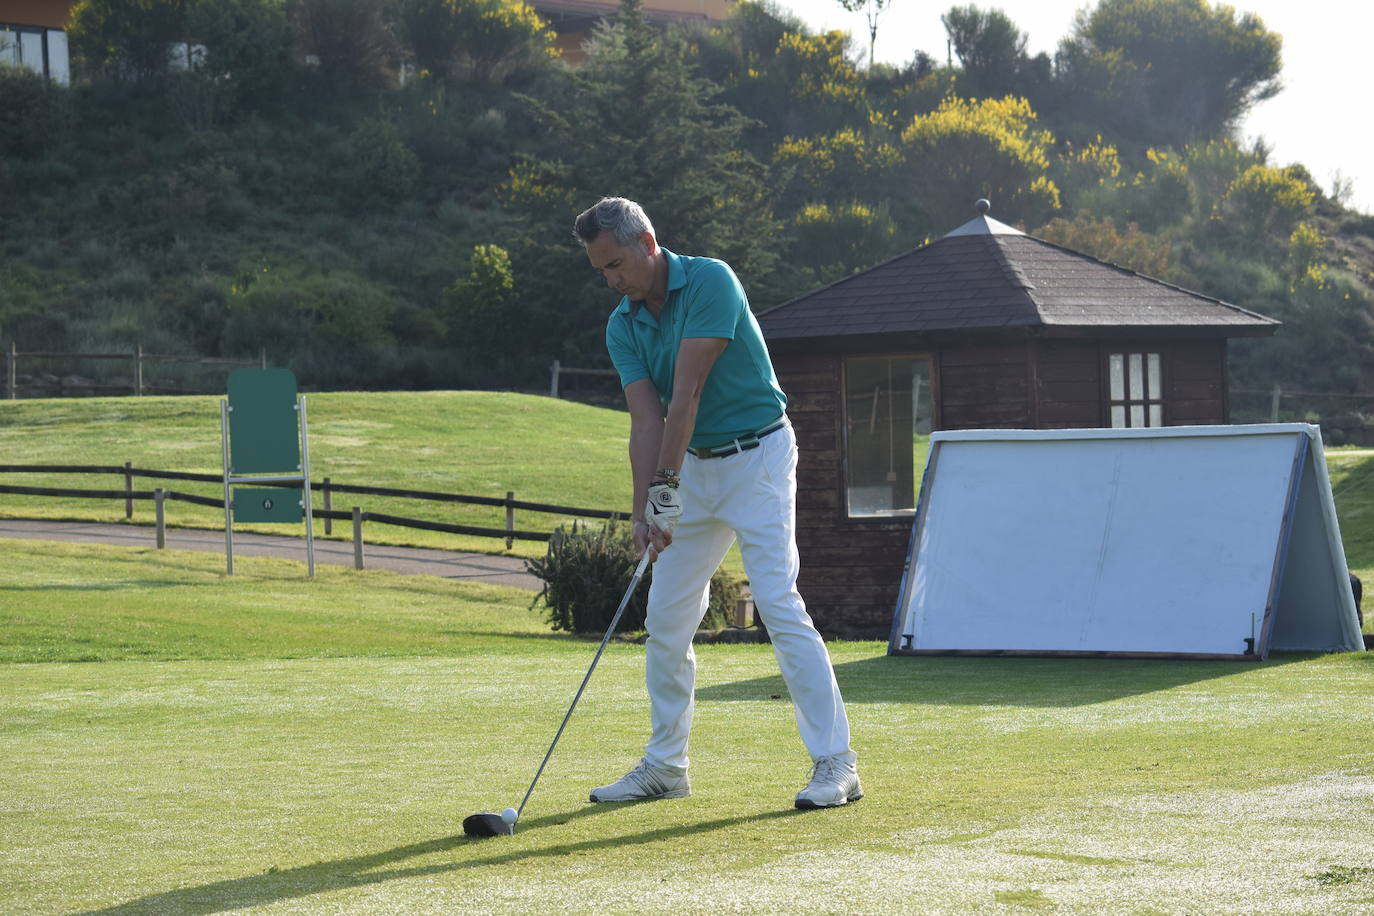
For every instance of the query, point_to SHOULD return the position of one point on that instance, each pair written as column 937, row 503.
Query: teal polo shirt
column 704, row 299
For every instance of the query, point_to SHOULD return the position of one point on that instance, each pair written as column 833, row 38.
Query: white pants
column 751, row 495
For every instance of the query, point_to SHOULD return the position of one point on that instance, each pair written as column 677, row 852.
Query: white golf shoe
column 834, row 781
column 646, row 781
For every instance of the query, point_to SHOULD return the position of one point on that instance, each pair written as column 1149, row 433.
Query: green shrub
column 35, row 113
column 586, row 572
column 482, row 307
column 384, row 168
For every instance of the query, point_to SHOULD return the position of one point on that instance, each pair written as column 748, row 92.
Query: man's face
column 627, row 269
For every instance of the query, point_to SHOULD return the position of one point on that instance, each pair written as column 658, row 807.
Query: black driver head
column 481, row 825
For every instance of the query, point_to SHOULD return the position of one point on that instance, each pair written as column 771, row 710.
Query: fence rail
column 136, row 357
column 327, row 488
column 558, row 370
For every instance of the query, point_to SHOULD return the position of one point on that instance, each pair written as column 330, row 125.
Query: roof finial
column 983, row 205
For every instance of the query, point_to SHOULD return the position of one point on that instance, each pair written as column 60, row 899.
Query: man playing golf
column 713, row 458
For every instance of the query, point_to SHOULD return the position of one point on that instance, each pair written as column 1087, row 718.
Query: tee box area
column 1202, row 542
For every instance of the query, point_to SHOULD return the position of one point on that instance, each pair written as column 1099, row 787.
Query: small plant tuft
column 585, row 573
column 1342, row 874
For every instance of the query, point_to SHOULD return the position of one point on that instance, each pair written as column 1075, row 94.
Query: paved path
column 473, row 567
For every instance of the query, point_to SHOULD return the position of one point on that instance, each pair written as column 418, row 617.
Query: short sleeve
column 716, row 302
column 620, row 344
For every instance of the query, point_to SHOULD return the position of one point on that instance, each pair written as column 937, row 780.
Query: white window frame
column 1135, row 388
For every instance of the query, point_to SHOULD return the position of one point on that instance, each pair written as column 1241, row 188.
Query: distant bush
column 384, row 168
column 586, row 572
column 35, row 113
column 482, row 311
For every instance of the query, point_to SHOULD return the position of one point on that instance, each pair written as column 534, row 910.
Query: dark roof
column 986, row 275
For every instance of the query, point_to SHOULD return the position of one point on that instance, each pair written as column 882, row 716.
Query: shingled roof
column 986, row 275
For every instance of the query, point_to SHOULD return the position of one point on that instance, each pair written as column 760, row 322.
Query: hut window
column 1136, row 393
column 887, row 433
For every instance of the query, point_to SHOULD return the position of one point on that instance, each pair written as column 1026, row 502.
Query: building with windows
column 986, row 327
column 33, row 35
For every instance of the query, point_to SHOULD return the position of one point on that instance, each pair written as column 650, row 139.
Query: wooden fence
column 558, row 370
column 326, row 488
column 136, row 359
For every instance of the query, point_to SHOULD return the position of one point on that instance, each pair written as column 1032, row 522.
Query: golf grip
column 634, row 583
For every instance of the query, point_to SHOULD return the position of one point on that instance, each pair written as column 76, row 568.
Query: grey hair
column 624, row 219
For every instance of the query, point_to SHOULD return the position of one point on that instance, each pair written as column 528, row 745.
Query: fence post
column 553, row 378
column 10, row 375
column 128, row 489
column 510, row 518
column 357, row 537
column 1274, row 405
column 262, row 356
column 138, row 371
column 328, row 522
column 158, row 497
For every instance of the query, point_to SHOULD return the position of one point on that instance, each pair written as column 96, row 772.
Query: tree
column 247, row 48
column 777, row 72
column 637, row 122
column 990, row 47
column 1168, row 72
column 834, row 241
column 479, row 40
column 127, row 40
column 966, row 150
column 872, row 10
column 348, row 43
column 482, row 315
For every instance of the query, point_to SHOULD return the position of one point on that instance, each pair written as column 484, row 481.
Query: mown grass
column 475, row 443
column 72, row 603
column 274, row 744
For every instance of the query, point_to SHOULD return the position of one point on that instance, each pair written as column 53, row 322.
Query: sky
column 1319, row 119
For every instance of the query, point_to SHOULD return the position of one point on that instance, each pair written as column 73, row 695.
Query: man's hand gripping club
column 661, row 513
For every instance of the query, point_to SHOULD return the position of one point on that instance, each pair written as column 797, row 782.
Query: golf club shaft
column 634, row 583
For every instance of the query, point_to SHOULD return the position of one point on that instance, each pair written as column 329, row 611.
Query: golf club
column 503, row 824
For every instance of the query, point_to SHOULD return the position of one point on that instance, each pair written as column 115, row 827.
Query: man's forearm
column 677, row 433
column 646, row 443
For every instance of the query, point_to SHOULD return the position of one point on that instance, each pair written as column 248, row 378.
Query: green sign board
column 268, row 504
column 264, row 426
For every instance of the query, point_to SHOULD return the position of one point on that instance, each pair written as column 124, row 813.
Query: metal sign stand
column 259, row 441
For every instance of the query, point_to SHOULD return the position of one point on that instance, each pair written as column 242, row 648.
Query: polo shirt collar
column 677, row 279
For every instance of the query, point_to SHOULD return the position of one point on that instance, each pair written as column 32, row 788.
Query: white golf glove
column 664, row 507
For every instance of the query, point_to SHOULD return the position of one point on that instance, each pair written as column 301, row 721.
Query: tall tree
column 127, row 40
column 637, row 122
column 1168, row 72
column 872, row 10
column 480, row 40
column 991, row 49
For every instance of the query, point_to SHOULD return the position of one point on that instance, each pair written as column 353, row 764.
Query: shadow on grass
column 1038, row 682
column 360, row 871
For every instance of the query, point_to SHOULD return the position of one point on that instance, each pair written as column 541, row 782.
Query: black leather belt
column 742, row 444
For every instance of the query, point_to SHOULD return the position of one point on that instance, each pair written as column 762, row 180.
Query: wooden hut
column 986, row 327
